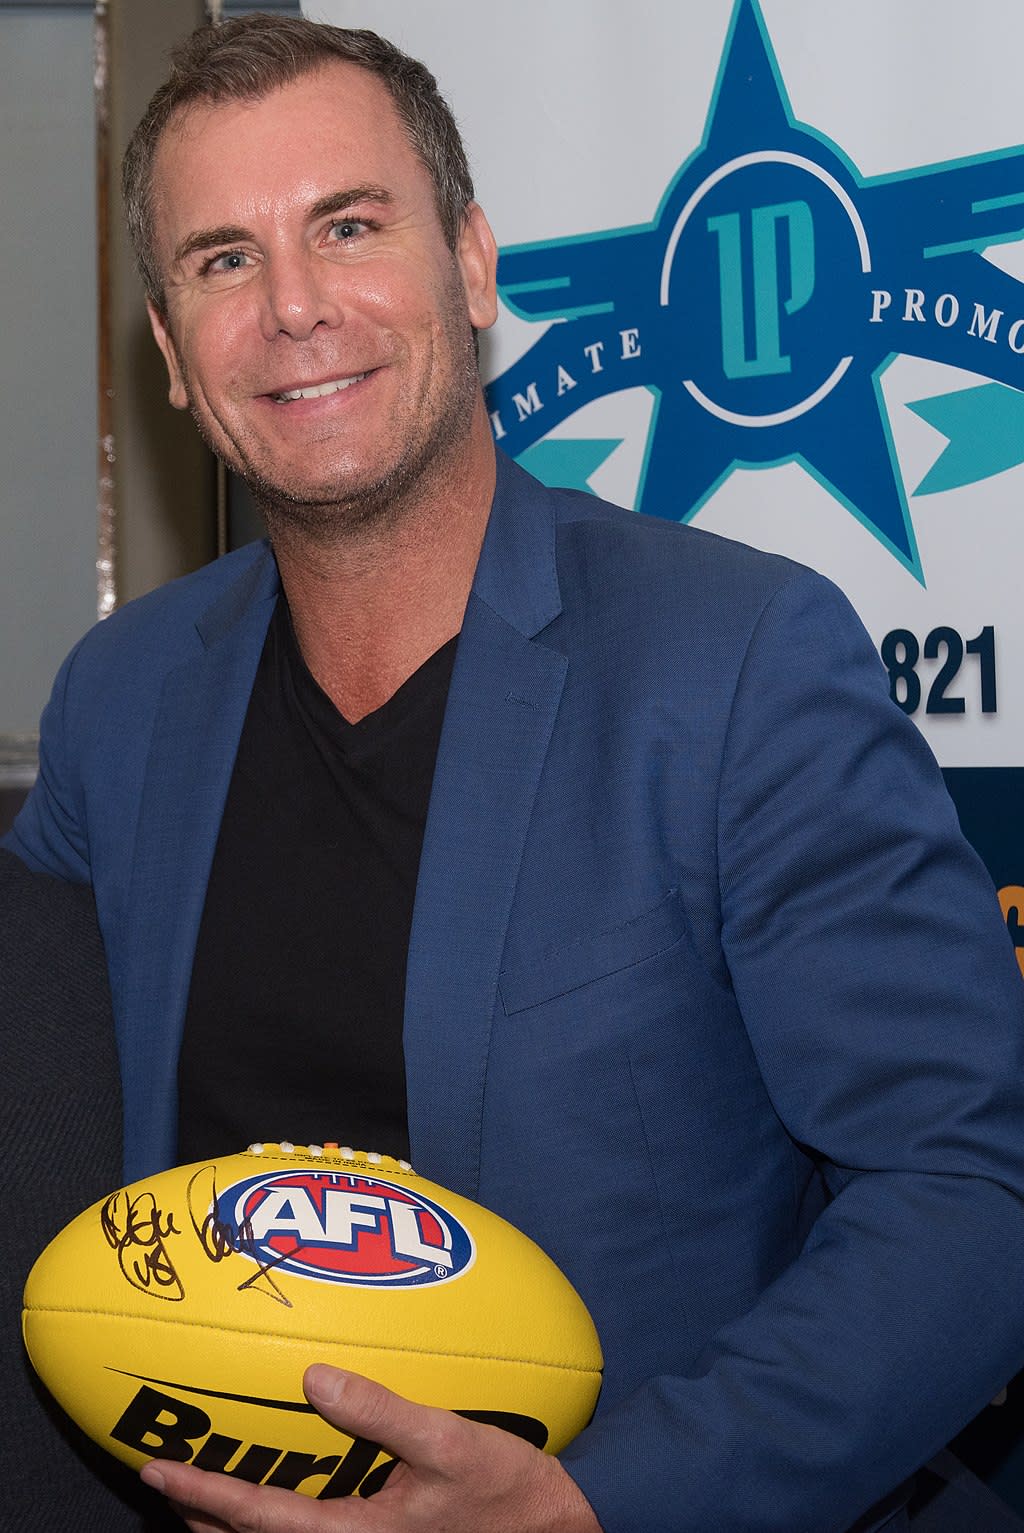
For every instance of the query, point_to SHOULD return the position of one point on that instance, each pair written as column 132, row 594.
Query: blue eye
column 347, row 229
column 230, row 260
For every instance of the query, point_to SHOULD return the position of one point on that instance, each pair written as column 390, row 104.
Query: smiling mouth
column 318, row 390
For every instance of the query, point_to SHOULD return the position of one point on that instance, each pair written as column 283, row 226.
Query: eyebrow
column 235, row 234
column 205, row 239
column 335, row 201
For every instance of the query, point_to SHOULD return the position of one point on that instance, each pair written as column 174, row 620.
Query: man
column 702, row 987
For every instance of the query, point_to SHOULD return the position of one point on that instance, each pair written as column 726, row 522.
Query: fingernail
column 324, row 1382
column 151, row 1475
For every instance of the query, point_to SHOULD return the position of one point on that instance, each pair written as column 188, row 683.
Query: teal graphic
column 762, row 305
column 568, row 463
column 985, row 430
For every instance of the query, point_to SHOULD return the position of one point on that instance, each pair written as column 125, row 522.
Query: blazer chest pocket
column 562, row 970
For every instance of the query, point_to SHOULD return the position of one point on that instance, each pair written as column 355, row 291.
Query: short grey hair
column 248, row 57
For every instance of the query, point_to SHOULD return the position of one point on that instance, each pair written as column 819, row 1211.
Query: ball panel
column 165, row 1397
column 156, row 1244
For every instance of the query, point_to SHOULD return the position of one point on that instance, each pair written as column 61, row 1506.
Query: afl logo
column 337, row 1227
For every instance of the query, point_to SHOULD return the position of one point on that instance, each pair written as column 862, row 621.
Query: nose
column 298, row 297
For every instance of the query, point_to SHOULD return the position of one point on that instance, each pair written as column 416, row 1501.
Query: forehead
column 335, row 128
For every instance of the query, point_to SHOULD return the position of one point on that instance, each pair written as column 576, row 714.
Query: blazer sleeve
column 49, row 834
column 886, row 1011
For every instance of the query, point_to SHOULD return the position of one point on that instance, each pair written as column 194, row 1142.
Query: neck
column 370, row 606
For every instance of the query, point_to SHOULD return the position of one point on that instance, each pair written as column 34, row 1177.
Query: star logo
column 761, row 307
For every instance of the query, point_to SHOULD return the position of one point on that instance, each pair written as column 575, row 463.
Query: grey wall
column 47, row 350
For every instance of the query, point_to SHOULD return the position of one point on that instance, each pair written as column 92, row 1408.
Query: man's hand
column 454, row 1476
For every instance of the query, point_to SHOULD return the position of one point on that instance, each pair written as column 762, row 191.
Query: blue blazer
column 705, row 991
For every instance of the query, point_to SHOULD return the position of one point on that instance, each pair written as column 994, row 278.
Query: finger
column 211, row 1502
column 198, row 1523
column 421, row 1435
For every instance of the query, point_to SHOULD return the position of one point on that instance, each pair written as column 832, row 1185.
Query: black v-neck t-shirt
column 294, row 1021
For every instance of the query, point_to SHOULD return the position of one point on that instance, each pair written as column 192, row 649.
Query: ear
column 164, row 339
column 477, row 255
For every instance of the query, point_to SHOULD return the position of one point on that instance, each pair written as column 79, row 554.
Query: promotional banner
column 761, row 270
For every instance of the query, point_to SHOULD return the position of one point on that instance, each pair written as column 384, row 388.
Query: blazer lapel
column 504, row 696
column 195, row 738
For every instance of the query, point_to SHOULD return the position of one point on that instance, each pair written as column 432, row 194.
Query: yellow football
column 175, row 1318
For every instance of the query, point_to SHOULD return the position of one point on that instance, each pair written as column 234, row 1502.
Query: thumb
column 418, row 1434
column 324, row 1387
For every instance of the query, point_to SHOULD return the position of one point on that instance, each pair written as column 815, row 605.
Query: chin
column 329, row 508
column 351, row 497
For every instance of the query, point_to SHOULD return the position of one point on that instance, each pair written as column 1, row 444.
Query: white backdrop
column 579, row 116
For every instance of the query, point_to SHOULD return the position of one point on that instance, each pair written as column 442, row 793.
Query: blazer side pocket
column 594, row 957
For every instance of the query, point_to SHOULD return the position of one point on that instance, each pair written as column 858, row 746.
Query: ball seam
column 319, row 1341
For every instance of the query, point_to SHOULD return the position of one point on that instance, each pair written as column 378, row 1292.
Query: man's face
column 302, row 251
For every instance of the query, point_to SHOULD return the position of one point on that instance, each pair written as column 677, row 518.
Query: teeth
column 319, row 390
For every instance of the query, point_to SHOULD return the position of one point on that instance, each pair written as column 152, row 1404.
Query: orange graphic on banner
column 1011, row 900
